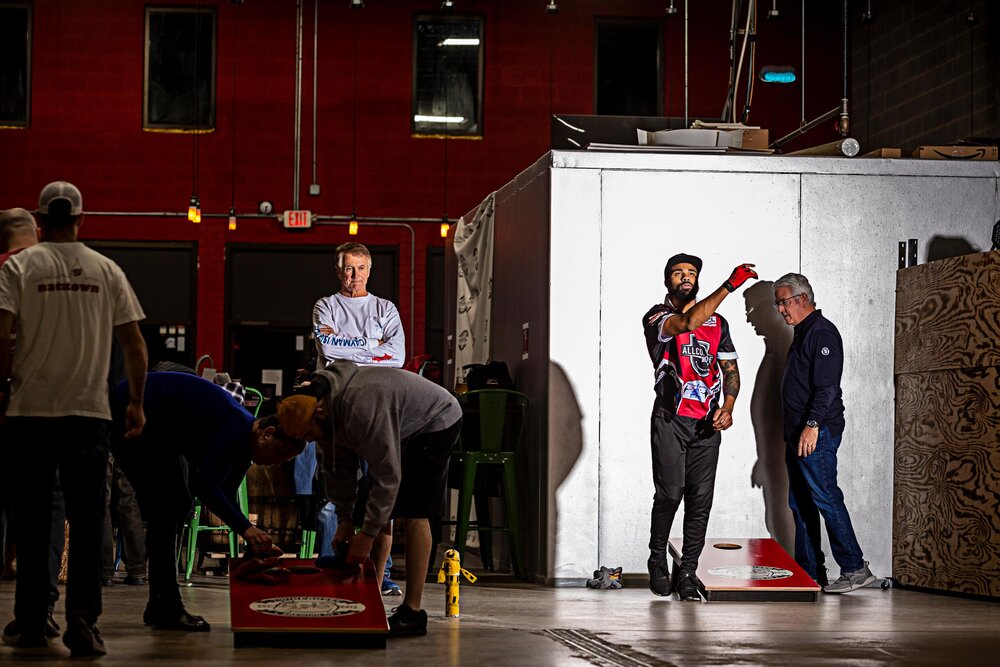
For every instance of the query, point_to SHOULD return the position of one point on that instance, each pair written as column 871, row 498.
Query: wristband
column 729, row 287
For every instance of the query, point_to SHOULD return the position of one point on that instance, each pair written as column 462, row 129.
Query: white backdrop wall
column 616, row 218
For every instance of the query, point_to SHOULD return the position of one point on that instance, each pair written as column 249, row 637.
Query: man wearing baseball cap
column 66, row 301
column 405, row 426
column 696, row 381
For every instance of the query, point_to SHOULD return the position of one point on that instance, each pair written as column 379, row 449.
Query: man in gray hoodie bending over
column 405, row 427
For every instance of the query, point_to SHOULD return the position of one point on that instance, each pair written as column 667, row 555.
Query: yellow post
column 448, row 574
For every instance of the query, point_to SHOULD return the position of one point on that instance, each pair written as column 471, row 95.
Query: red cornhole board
column 748, row 569
column 330, row 608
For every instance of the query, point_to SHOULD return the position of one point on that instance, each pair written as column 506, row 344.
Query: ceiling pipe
column 297, row 148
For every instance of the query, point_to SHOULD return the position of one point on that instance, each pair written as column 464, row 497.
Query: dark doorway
column 164, row 277
column 629, row 67
column 270, row 293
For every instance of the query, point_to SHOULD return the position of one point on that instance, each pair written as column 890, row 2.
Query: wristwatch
column 812, row 423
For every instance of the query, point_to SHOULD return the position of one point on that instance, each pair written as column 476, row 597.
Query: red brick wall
column 86, row 124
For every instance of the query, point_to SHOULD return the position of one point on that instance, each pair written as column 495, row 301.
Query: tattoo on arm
column 730, row 377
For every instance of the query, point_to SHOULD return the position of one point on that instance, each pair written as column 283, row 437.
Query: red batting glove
column 740, row 275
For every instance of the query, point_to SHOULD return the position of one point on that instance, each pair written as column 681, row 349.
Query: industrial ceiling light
column 352, row 226
column 773, row 74
column 232, row 219
column 551, row 8
column 671, row 10
column 445, row 226
column 447, row 5
column 357, row 4
column 773, row 13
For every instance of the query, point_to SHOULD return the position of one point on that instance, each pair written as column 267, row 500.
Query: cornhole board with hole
column 749, row 569
column 330, row 608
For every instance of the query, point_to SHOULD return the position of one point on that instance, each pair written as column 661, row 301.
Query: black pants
column 685, row 458
column 159, row 476
column 76, row 447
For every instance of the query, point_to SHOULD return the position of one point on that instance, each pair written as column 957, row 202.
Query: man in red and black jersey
column 696, row 380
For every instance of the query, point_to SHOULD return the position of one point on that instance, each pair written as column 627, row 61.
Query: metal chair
column 493, row 407
column 252, row 402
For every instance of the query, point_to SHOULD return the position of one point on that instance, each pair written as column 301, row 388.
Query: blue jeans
column 326, row 521
column 812, row 491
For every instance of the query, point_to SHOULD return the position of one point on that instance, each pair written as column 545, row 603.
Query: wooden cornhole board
column 750, row 569
column 330, row 608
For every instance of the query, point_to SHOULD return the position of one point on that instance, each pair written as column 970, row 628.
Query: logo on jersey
column 697, row 352
column 695, row 390
column 825, row 352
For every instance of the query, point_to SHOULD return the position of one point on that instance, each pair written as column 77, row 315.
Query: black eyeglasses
column 784, row 302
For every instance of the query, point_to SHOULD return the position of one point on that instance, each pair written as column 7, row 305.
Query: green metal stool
column 252, row 401
column 494, row 406
column 308, row 547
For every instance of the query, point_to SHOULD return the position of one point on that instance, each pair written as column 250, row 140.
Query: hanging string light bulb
column 232, row 219
column 194, row 210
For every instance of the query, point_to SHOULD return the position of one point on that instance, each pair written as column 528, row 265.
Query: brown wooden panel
column 946, row 515
column 948, row 314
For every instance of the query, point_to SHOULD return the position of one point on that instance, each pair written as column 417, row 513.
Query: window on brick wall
column 179, row 82
column 447, row 75
column 15, row 64
column 629, row 67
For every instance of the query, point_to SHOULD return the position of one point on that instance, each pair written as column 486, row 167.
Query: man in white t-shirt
column 66, row 301
column 353, row 325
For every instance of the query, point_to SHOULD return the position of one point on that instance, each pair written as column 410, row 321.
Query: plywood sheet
column 948, row 314
column 946, row 527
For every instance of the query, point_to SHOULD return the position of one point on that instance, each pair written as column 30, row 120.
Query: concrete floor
column 517, row 624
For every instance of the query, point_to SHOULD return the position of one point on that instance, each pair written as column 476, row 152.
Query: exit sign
column 298, row 220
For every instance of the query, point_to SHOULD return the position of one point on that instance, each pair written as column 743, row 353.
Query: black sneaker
column 12, row 636
column 84, row 641
column 407, row 623
column 52, row 629
column 135, row 581
column 10, row 633
column 659, row 576
column 687, row 587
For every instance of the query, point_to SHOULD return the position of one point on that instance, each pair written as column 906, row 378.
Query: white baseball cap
column 60, row 190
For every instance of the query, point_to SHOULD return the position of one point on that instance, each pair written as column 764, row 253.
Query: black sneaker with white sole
column 405, row 622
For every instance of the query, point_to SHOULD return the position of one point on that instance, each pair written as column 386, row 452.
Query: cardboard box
column 884, row 152
column 755, row 139
column 956, row 152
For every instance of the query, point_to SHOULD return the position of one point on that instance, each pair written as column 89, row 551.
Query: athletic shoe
column 12, row 636
column 390, row 587
column 52, row 628
column 405, row 622
column 659, row 576
column 852, row 581
column 84, row 641
column 687, row 587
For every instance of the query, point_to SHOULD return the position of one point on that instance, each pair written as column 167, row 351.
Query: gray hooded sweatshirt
column 373, row 411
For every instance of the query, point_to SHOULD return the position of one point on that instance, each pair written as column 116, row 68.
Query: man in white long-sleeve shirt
column 352, row 325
